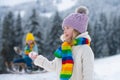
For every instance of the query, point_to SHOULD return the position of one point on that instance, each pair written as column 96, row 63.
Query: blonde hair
column 33, row 42
column 75, row 34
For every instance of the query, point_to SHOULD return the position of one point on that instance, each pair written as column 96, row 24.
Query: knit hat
column 77, row 20
column 29, row 36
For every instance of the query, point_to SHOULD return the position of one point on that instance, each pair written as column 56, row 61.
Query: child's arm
column 46, row 64
column 88, row 63
column 25, row 50
column 35, row 48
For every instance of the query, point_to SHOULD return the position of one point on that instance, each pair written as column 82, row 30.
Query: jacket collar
column 85, row 35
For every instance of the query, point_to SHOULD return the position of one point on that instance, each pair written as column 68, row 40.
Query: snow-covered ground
column 108, row 68
column 40, row 76
column 105, row 69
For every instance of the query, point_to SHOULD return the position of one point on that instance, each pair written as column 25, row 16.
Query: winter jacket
column 35, row 48
column 83, row 62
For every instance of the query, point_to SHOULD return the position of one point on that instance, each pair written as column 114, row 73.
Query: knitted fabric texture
column 77, row 21
column 29, row 36
column 65, row 53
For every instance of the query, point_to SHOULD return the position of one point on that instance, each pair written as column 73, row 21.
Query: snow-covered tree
column 8, row 37
column 98, row 33
column 113, row 39
column 0, row 32
column 97, row 40
column 55, row 33
column 18, row 31
column 118, row 33
column 2, row 65
column 103, row 23
column 8, row 31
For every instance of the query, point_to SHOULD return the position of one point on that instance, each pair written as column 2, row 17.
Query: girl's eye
column 67, row 27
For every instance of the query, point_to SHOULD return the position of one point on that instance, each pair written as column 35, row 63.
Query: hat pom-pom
column 82, row 10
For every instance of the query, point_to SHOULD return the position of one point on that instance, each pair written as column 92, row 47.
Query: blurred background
column 44, row 17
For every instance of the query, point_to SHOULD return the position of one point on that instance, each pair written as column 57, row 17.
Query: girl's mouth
column 66, row 35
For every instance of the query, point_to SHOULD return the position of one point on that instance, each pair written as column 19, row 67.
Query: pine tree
column 8, row 37
column 96, row 43
column 8, row 30
column 2, row 65
column 0, row 33
column 113, row 38
column 55, row 33
column 18, row 31
column 118, row 33
column 103, row 23
column 98, row 38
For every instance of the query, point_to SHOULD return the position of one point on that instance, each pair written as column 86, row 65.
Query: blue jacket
column 35, row 48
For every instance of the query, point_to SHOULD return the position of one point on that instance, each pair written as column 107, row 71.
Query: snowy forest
column 44, row 21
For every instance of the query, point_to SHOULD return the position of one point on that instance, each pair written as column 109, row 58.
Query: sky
column 12, row 2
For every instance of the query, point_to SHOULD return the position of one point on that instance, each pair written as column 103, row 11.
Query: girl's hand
column 33, row 55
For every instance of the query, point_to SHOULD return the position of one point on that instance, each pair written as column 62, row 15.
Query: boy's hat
column 77, row 20
column 29, row 36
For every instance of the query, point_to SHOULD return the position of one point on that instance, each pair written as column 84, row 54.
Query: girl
column 74, row 59
column 29, row 47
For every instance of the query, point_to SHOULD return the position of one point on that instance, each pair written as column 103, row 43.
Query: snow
column 108, row 68
column 40, row 76
column 105, row 69
column 49, row 14
column 22, row 13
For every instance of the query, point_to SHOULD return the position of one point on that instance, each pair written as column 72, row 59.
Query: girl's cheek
column 71, row 34
column 68, row 36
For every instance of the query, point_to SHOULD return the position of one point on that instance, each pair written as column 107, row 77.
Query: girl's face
column 30, row 42
column 68, row 33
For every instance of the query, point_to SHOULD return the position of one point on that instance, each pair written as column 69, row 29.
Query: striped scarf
column 65, row 52
column 28, row 48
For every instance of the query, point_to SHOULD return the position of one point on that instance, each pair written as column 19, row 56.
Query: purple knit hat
column 77, row 20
